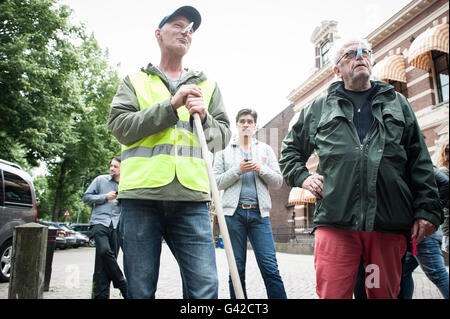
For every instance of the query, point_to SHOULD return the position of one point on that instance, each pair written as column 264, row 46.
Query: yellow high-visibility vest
column 154, row 161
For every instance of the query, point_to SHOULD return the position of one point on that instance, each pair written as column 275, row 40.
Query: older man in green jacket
column 374, row 182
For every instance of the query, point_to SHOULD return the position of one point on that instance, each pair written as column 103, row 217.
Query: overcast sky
column 258, row 51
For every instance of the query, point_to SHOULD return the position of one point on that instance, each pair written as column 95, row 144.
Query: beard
column 361, row 76
column 358, row 79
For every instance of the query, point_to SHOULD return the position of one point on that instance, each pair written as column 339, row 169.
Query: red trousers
column 337, row 255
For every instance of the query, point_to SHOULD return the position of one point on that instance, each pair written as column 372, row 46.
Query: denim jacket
column 228, row 175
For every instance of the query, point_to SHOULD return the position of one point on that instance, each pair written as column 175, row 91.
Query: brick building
column 410, row 51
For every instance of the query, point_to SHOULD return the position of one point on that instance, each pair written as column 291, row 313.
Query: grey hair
column 337, row 51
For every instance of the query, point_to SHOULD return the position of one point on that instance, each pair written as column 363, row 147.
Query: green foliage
column 37, row 91
column 55, row 90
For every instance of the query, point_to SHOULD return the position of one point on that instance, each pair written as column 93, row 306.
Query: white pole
column 219, row 211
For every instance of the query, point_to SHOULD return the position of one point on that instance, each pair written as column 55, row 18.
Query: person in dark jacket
column 102, row 194
column 429, row 254
column 374, row 182
column 443, row 159
column 429, row 257
column 442, row 183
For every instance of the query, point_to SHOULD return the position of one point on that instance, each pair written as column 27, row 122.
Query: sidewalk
column 73, row 269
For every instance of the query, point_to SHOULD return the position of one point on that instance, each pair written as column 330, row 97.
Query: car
column 60, row 240
column 71, row 241
column 69, row 234
column 80, row 239
column 86, row 230
column 18, row 206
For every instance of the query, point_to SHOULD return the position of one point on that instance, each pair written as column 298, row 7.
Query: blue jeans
column 248, row 222
column 430, row 259
column 186, row 228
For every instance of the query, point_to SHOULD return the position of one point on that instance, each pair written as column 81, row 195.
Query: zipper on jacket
column 360, row 221
column 364, row 189
column 362, row 145
column 361, row 188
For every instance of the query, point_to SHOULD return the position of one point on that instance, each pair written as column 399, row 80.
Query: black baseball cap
column 188, row 12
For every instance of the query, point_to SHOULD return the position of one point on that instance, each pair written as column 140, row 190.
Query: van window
column 17, row 190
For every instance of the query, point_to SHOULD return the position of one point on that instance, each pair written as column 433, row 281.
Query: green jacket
column 382, row 183
column 128, row 123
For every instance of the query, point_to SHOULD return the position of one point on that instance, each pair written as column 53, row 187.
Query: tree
column 55, row 90
column 93, row 147
column 37, row 91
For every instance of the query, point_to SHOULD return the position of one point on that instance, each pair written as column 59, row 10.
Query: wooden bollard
column 28, row 262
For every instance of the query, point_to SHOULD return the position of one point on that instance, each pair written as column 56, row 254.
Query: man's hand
column 180, row 97
column 196, row 104
column 111, row 195
column 314, row 183
column 422, row 228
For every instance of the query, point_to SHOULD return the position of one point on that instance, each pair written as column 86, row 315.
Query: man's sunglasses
column 353, row 53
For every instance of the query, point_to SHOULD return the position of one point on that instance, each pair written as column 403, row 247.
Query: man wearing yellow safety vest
column 164, row 187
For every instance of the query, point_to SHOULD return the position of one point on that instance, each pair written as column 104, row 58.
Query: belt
column 245, row 206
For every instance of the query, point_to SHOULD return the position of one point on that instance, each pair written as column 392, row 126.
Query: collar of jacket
column 383, row 87
column 373, row 90
column 334, row 99
column 191, row 76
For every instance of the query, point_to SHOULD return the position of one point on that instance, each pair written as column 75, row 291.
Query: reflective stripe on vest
column 155, row 160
